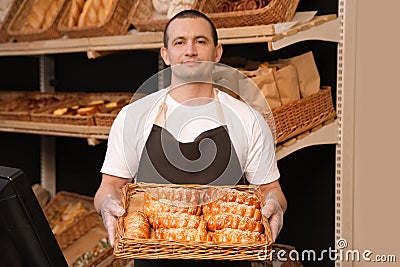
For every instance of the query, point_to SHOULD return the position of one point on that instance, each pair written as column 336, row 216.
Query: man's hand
column 111, row 209
column 273, row 211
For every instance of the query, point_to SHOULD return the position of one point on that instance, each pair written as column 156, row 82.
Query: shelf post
column 47, row 143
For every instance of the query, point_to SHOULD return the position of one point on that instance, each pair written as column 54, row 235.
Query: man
column 136, row 148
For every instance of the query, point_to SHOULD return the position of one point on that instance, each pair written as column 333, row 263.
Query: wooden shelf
column 92, row 133
column 320, row 27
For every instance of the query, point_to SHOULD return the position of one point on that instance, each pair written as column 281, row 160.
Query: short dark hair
column 190, row 13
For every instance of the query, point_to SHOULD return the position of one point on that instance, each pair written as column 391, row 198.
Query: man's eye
column 201, row 41
column 178, row 43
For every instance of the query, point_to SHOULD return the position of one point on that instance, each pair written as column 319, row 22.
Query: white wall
column 377, row 130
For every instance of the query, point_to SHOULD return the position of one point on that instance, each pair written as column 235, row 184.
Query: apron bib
column 206, row 160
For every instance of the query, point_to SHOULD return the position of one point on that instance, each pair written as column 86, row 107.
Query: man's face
column 189, row 43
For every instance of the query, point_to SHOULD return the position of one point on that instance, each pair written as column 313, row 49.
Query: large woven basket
column 164, row 249
column 304, row 114
column 144, row 17
column 50, row 32
column 11, row 11
column 275, row 11
column 115, row 24
column 81, row 224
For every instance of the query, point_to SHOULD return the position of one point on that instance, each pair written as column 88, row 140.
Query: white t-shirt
column 249, row 133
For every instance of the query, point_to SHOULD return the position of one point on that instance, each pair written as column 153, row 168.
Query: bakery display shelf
column 92, row 133
column 325, row 27
column 324, row 134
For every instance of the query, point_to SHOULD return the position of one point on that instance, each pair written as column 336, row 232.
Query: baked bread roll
column 37, row 15
column 178, row 6
column 235, row 235
column 231, row 195
column 221, row 207
column 177, row 220
column 75, row 11
column 222, row 221
column 136, row 225
column 181, row 234
column 168, row 195
column 152, row 207
column 161, row 6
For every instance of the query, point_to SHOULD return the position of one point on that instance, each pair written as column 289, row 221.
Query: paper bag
column 265, row 81
column 287, row 83
column 307, row 72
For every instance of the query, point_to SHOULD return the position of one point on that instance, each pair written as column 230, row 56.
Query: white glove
column 273, row 211
column 111, row 209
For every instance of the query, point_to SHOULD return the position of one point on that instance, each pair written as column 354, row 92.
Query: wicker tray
column 115, row 24
column 11, row 10
column 12, row 103
column 145, row 18
column 276, row 11
column 304, row 114
column 81, row 99
column 81, row 224
column 49, row 32
column 107, row 119
column 164, row 249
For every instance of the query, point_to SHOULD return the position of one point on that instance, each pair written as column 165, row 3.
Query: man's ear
column 218, row 52
column 164, row 55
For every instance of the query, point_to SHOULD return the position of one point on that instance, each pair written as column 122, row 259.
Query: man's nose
column 191, row 49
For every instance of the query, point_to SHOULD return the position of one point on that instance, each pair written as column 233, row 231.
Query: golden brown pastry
column 231, row 195
column 185, row 195
column 136, row 225
column 221, row 207
column 177, row 220
column 82, row 17
column 221, row 221
column 152, row 207
column 181, row 234
column 75, row 11
column 235, row 235
column 37, row 15
column 50, row 15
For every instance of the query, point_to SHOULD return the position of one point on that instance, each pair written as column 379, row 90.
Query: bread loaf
column 136, row 225
column 36, row 17
column 74, row 12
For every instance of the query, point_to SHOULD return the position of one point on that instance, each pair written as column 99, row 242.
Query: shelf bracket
column 47, row 143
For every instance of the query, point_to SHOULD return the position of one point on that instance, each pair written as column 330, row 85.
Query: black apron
column 166, row 160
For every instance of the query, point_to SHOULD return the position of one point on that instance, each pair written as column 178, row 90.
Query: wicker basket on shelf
column 304, row 114
column 49, row 31
column 18, row 105
column 274, row 12
column 145, row 18
column 116, row 23
column 139, row 248
column 80, row 100
column 79, row 225
column 8, row 16
column 107, row 119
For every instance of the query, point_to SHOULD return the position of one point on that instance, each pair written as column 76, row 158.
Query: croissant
column 181, row 234
column 222, row 221
column 177, row 220
column 136, row 225
column 221, row 207
column 235, row 235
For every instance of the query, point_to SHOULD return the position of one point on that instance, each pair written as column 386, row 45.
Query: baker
column 189, row 132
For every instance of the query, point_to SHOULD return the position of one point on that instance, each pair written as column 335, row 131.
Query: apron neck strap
column 161, row 117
